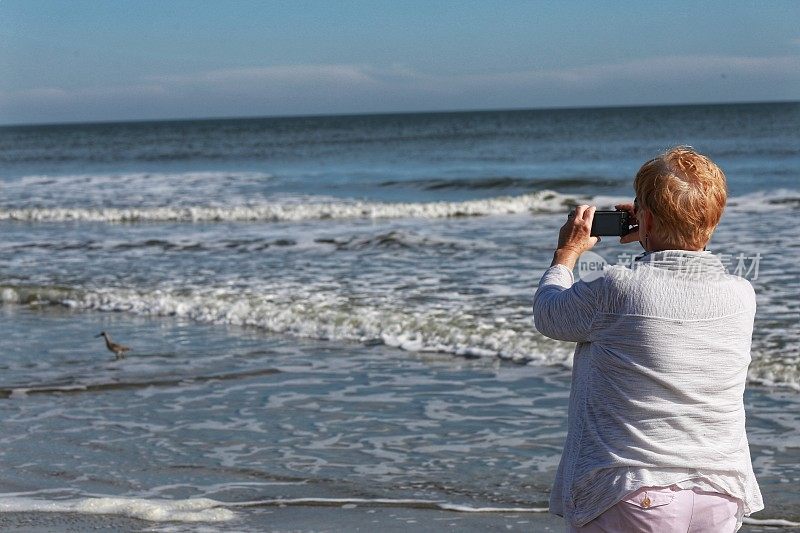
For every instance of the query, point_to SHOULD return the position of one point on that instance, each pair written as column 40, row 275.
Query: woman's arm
column 564, row 310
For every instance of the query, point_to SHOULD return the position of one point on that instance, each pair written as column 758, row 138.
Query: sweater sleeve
column 564, row 310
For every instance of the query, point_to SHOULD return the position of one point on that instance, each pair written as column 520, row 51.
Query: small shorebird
column 118, row 349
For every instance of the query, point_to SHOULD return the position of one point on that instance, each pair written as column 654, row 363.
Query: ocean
column 335, row 312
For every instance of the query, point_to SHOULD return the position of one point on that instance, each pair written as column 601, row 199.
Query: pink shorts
column 667, row 509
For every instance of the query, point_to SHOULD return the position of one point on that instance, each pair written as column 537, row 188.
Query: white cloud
column 289, row 74
column 335, row 88
column 667, row 70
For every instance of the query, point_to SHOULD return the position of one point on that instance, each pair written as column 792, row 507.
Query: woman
column 656, row 438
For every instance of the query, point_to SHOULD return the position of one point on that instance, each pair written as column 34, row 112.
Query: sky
column 81, row 61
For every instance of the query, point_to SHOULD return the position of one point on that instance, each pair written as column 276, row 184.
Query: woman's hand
column 575, row 237
column 633, row 235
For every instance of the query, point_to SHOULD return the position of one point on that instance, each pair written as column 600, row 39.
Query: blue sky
column 75, row 60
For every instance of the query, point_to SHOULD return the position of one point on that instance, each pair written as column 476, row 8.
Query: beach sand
column 308, row 519
column 315, row 519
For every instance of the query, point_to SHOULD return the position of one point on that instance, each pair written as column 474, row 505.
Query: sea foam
column 153, row 510
column 330, row 316
column 297, row 209
column 293, row 211
column 318, row 315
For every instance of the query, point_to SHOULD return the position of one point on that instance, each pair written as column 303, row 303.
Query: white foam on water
column 321, row 315
column 9, row 295
column 765, row 201
column 188, row 510
column 780, row 378
column 432, row 504
column 294, row 211
column 325, row 315
column 774, row 522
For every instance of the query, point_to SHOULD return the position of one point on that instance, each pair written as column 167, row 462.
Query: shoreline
column 347, row 517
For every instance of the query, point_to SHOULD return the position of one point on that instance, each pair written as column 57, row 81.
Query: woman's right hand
column 633, row 235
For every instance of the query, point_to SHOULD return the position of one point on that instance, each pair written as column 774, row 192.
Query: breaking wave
column 323, row 316
column 539, row 202
column 332, row 316
column 326, row 208
column 295, row 210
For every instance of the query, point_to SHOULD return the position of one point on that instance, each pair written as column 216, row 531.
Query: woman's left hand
column 575, row 237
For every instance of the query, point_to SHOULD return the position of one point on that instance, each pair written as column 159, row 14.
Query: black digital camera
column 611, row 223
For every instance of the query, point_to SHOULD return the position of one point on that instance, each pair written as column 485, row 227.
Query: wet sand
column 307, row 519
column 315, row 519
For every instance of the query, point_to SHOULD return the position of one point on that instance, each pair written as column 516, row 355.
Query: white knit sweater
column 657, row 380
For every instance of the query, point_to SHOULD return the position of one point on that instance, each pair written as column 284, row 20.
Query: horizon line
column 387, row 113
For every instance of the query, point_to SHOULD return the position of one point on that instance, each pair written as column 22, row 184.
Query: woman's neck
column 654, row 244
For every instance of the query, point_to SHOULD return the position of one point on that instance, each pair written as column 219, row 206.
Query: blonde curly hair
column 686, row 192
